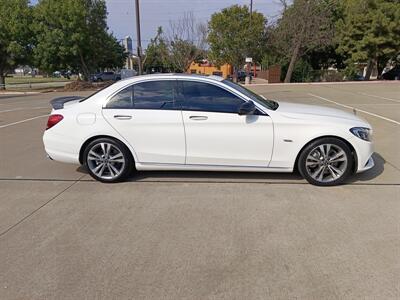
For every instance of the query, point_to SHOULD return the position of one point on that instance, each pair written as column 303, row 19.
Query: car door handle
column 123, row 117
column 198, row 118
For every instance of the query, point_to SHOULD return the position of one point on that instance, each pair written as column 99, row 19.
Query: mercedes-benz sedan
column 183, row 122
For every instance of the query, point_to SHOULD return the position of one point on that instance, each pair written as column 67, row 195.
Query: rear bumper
column 59, row 148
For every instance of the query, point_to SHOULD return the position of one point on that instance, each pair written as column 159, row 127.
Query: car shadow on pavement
column 208, row 176
column 372, row 173
column 205, row 176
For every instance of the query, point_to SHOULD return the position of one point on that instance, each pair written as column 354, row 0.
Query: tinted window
column 123, row 99
column 145, row 95
column 207, row 97
column 154, row 95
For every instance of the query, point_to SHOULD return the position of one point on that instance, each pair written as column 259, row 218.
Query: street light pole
column 139, row 42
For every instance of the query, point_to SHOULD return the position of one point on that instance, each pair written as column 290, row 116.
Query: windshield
column 253, row 96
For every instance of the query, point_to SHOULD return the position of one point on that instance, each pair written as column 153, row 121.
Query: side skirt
column 179, row 167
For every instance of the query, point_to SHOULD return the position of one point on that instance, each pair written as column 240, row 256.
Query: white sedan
column 184, row 122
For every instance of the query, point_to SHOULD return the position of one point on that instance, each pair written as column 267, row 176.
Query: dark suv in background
column 392, row 74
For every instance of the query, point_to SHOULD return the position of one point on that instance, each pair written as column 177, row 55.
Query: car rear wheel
column 326, row 162
column 108, row 160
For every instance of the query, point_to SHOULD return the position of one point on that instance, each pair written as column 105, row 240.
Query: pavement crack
column 40, row 207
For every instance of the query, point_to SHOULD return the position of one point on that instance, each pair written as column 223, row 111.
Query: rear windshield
column 97, row 91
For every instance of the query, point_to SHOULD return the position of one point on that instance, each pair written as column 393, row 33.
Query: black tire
column 325, row 165
column 125, row 168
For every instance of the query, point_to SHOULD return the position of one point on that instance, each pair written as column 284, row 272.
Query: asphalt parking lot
column 173, row 235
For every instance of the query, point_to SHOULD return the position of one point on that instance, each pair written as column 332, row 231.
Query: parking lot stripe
column 357, row 109
column 23, row 121
column 379, row 97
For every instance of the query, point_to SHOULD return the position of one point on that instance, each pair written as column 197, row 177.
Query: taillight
column 53, row 120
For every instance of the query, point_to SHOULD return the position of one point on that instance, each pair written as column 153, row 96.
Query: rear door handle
column 198, row 118
column 123, row 117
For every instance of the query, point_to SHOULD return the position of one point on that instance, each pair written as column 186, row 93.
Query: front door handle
column 123, row 117
column 198, row 118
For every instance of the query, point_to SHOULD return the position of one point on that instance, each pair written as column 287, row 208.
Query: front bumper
column 364, row 151
column 369, row 165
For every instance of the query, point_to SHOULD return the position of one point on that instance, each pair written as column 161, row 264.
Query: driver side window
column 201, row 96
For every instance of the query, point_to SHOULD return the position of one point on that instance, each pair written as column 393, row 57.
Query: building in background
column 127, row 43
column 207, row 68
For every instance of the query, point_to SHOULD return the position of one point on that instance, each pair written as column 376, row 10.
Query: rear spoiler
column 58, row 103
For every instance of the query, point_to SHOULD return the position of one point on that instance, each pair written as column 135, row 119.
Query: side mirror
column 247, row 108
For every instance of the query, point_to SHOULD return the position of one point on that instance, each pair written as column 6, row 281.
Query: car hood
column 305, row 111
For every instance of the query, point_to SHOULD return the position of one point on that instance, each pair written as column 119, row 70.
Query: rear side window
column 154, row 94
column 200, row 96
column 145, row 95
column 121, row 100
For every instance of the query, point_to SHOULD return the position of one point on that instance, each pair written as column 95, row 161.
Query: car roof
column 173, row 75
column 132, row 80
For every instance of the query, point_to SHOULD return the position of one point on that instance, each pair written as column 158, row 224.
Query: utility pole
column 251, row 11
column 139, row 42
column 248, row 59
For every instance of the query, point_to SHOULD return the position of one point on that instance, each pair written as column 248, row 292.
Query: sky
column 154, row 13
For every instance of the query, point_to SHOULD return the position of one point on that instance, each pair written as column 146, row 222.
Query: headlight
column 362, row 133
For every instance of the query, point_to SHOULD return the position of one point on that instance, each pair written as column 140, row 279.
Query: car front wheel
column 326, row 162
column 108, row 160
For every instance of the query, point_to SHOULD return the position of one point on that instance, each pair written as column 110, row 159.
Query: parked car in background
column 184, row 122
column 126, row 73
column 359, row 77
column 392, row 74
column 106, row 76
column 62, row 73
column 241, row 76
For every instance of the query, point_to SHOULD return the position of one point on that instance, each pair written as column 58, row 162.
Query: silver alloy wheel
column 105, row 160
column 326, row 163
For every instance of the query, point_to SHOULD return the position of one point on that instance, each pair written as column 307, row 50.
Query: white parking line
column 22, row 108
column 379, row 97
column 23, row 121
column 360, row 110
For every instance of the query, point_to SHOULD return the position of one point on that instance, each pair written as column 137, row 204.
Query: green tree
column 182, row 54
column 186, row 42
column 304, row 26
column 369, row 32
column 234, row 35
column 15, row 35
column 73, row 34
column 326, row 56
column 156, row 55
